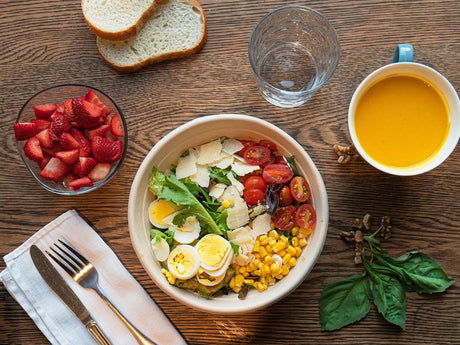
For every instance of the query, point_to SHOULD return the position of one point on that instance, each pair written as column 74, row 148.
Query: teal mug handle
column 403, row 53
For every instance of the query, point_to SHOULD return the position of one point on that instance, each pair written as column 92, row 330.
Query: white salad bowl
column 167, row 152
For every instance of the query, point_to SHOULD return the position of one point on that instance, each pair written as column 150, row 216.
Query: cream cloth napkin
column 54, row 319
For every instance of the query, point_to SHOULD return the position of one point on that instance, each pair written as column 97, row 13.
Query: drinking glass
column 293, row 51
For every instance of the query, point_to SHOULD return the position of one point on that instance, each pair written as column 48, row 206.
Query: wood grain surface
column 47, row 42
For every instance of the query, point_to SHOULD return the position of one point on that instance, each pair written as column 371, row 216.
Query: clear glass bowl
column 58, row 94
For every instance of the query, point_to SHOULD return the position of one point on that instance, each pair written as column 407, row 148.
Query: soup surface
column 402, row 121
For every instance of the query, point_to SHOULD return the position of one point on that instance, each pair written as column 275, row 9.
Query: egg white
column 160, row 249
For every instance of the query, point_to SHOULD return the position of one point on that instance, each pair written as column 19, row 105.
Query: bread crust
column 165, row 56
column 128, row 32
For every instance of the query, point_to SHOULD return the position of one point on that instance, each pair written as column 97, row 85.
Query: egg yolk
column 212, row 249
column 182, row 264
column 160, row 209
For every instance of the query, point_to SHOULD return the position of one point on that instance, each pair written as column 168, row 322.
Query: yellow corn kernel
column 246, row 274
column 225, row 204
column 262, row 252
column 292, row 262
column 268, row 260
column 272, row 225
column 256, row 273
column 266, row 270
column 279, row 276
column 303, row 242
column 281, row 253
column 271, row 242
column 279, row 246
column 242, row 269
column 269, row 249
column 294, row 241
column 249, row 281
column 263, row 238
column 258, row 286
column 232, row 283
column 284, row 270
column 275, row 269
column 304, row 233
column 291, row 250
column 273, row 234
column 257, row 255
column 295, row 230
column 271, row 280
column 256, row 246
column 284, row 239
column 286, row 258
column 239, row 278
column 236, row 289
column 298, row 251
column 171, row 279
column 256, row 263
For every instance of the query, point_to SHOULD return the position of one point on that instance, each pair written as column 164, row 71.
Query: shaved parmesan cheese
column 242, row 169
column 238, row 215
column 209, row 153
column 241, row 236
column 261, row 225
column 201, row 177
column 243, row 259
column 235, row 183
column 231, row 146
column 186, row 166
column 217, row 190
column 224, row 162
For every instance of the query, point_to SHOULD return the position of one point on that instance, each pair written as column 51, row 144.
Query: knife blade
column 65, row 293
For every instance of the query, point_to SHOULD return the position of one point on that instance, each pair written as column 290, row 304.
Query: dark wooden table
column 48, row 42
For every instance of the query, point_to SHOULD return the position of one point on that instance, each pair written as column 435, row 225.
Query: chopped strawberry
column 115, row 126
column 99, row 172
column 44, row 111
column 83, row 141
column 41, row 124
column 84, row 166
column 68, row 111
column 69, row 157
column 55, row 170
column 92, row 98
column 106, row 151
column 98, row 131
column 60, row 108
column 44, row 161
column 59, row 125
column 53, row 150
column 33, row 150
column 25, row 130
column 86, row 114
column 45, row 138
column 81, row 182
column 69, row 178
column 68, row 142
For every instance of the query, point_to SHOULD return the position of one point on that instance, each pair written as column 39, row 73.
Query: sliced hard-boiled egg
column 213, row 251
column 158, row 210
column 206, row 279
column 188, row 232
column 183, row 262
column 160, row 248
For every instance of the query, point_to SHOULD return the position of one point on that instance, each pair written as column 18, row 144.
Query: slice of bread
column 177, row 29
column 117, row 19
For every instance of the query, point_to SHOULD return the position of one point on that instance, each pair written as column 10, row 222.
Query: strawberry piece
column 81, row 182
column 53, row 150
column 68, row 142
column 86, row 114
column 59, row 125
column 106, row 151
column 69, row 157
column 44, row 111
column 69, row 178
column 83, row 141
column 115, row 126
column 84, row 166
column 99, row 172
column 98, row 131
column 45, row 138
column 41, row 124
column 92, row 98
column 33, row 150
column 25, row 130
column 60, row 108
column 68, row 111
column 55, row 170
column 44, row 161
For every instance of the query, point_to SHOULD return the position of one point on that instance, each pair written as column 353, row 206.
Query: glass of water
column 293, row 51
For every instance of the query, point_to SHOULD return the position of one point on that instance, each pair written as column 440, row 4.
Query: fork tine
column 68, row 258
column 75, row 252
column 63, row 266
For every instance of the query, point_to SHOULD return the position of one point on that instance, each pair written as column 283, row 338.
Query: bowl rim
column 108, row 177
column 275, row 295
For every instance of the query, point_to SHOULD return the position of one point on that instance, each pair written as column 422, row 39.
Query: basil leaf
column 344, row 302
column 417, row 272
column 389, row 295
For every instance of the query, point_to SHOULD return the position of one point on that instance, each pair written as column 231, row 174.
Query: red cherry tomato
column 300, row 189
column 268, row 144
column 280, row 160
column 285, row 218
column 256, row 155
column 286, row 196
column 255, row 182
column 305, row 216
column 277, row 173
column 246, row 144
column 254, row 197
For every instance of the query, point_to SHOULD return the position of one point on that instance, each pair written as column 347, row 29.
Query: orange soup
column 402, row 121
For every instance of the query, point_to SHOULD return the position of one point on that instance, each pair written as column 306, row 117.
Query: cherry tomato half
column 256, row 155
column 268, row 144
column 285, row 218
column 305, row 216
column 277, row 173
column 300, row 189
column 253, row 197
column 280, row 160
column 246, row 144
column 286, row 196
column 255, row 182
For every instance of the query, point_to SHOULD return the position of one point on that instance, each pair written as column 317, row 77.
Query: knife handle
column 97, row 333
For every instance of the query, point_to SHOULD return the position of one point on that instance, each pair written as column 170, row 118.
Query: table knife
column 65, row 293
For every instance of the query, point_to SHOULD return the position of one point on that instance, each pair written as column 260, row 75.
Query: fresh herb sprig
column 386, row 280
